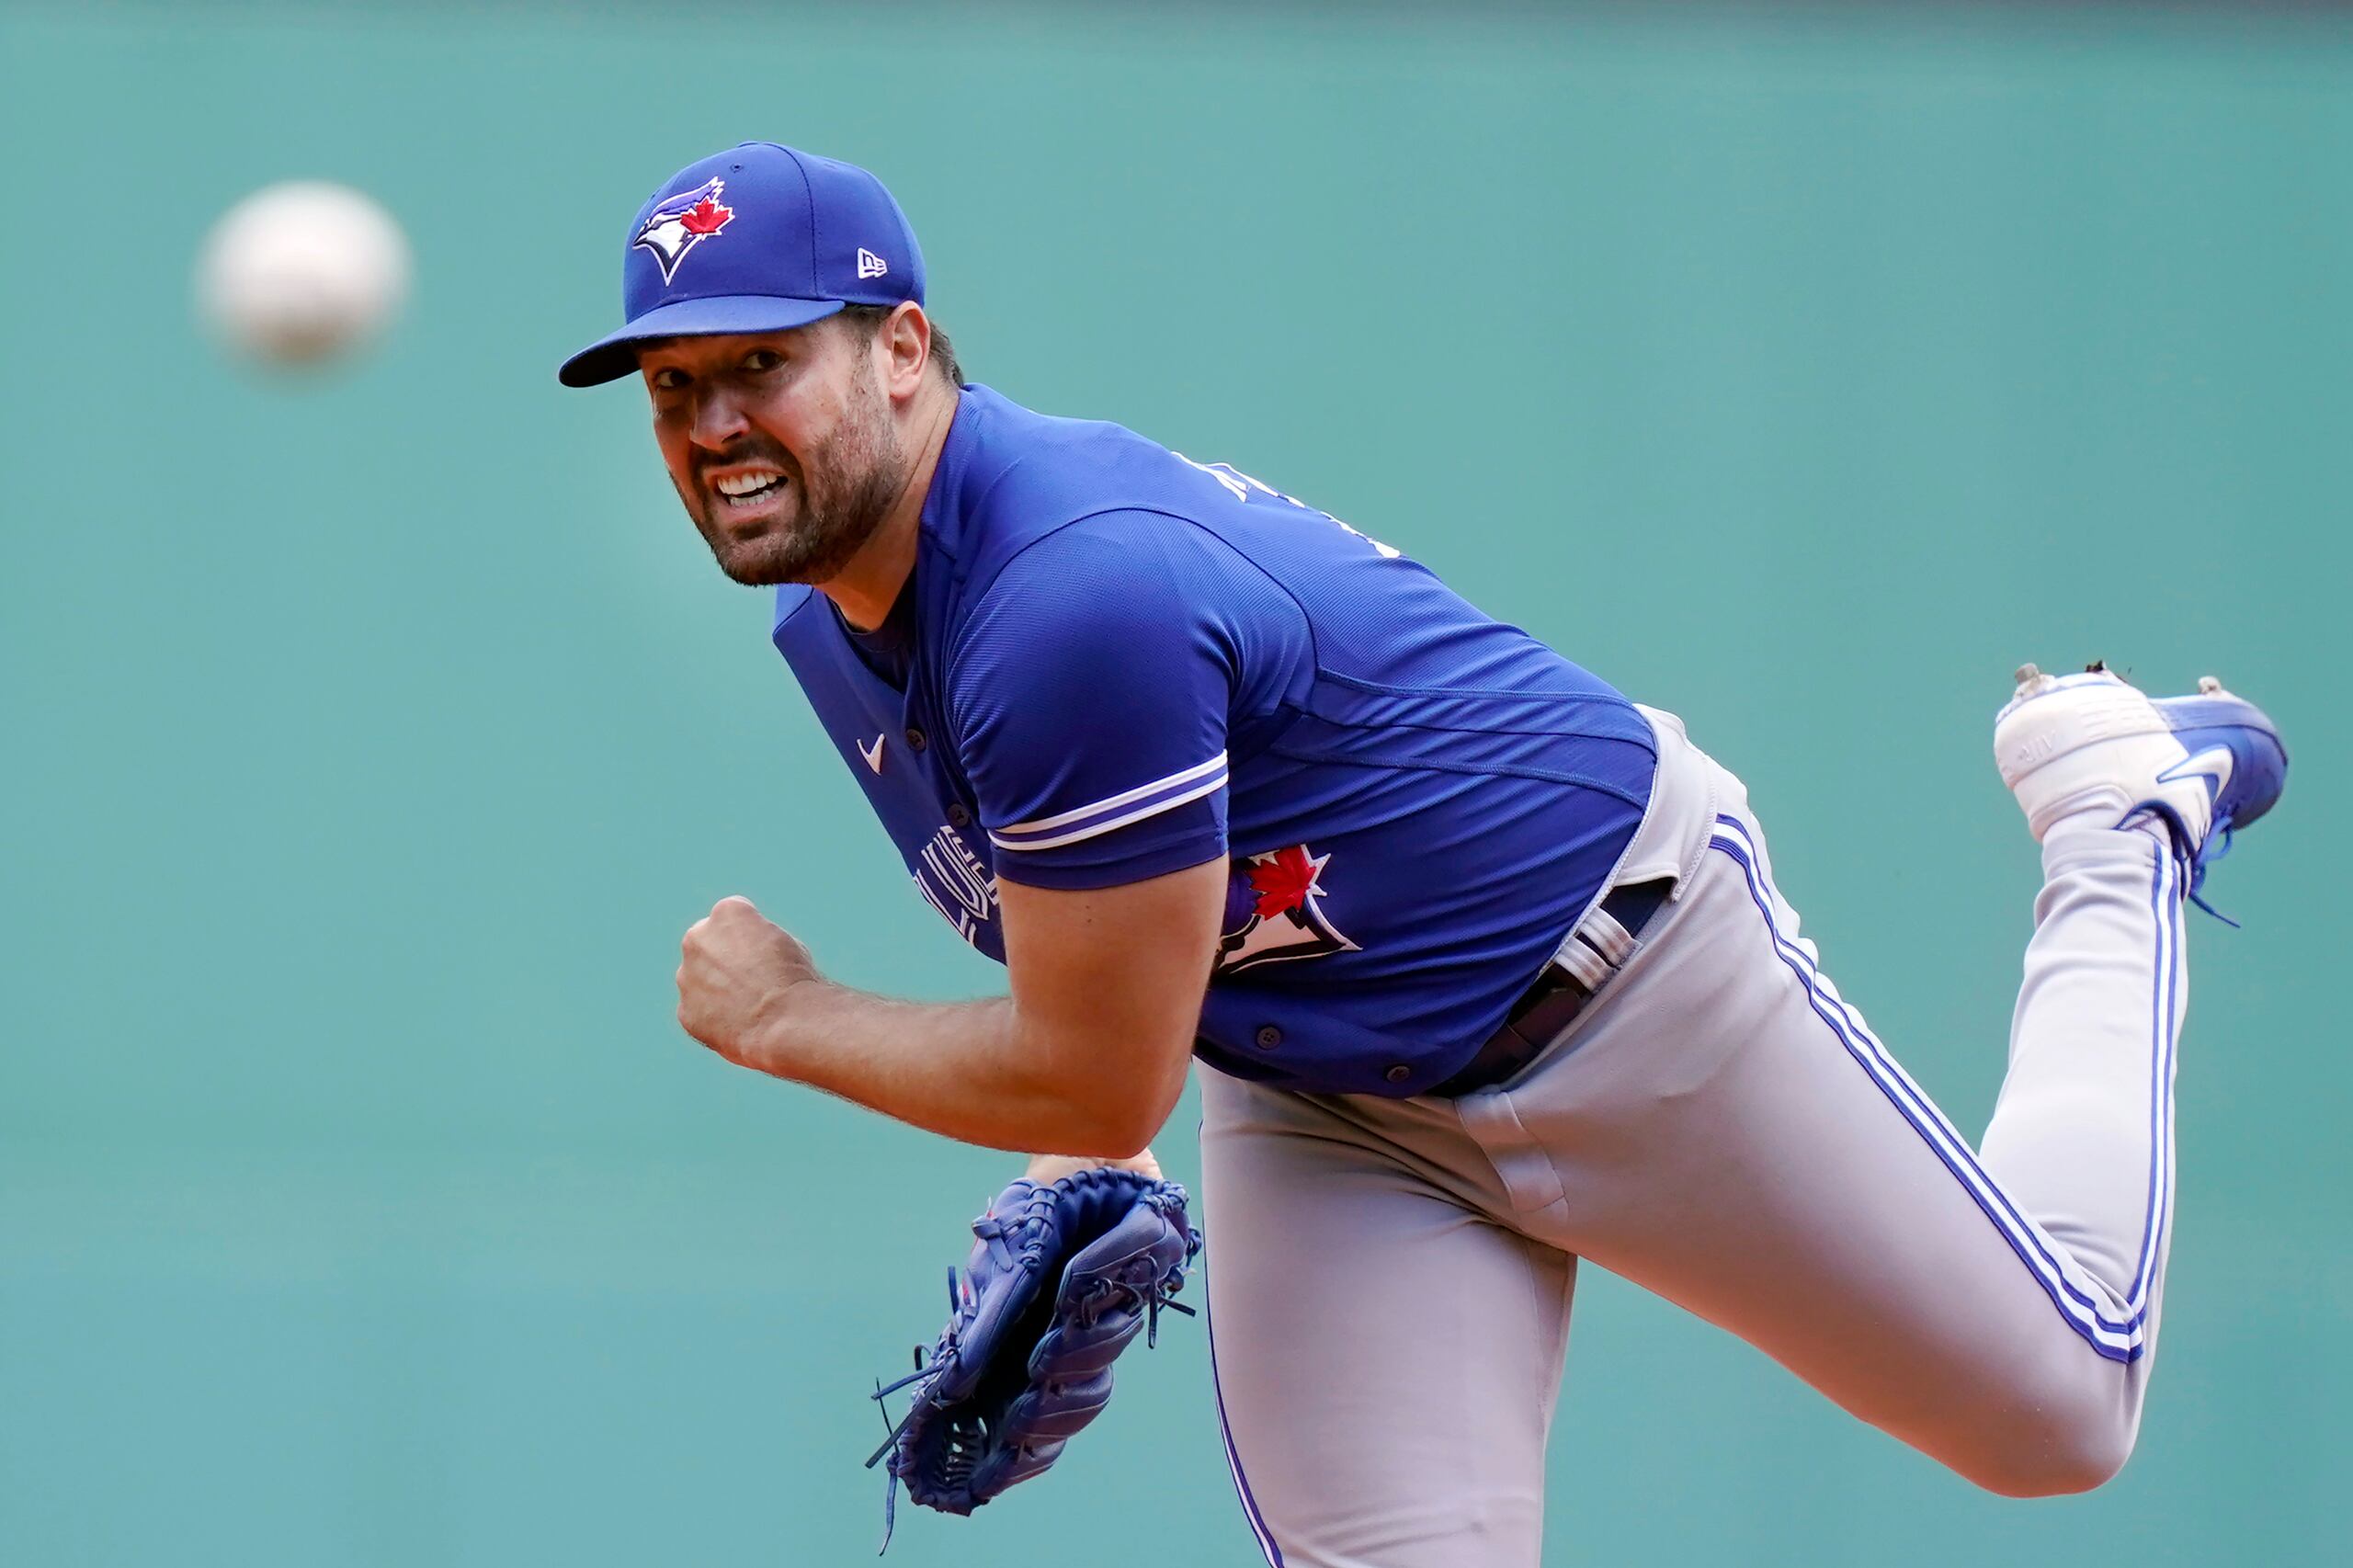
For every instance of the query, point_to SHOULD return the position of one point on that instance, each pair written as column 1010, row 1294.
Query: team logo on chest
column 1272, row 913
column 679, row 224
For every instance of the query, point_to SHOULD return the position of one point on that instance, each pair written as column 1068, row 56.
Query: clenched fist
column 734, row 976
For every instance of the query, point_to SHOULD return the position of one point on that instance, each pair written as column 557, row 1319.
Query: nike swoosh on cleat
column 873, row 755
column 2213, row 765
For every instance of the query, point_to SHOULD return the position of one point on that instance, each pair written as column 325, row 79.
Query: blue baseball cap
column 758, row 238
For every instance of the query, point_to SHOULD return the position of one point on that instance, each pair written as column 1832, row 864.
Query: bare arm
column 1085, row 1057
column 1047, row 1169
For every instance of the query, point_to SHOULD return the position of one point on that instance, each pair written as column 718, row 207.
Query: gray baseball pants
column 1389, row 1280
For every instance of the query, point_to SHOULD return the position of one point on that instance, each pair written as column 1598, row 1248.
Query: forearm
column 1046, row 1169
column 1086, row 1056
column 970, row 1071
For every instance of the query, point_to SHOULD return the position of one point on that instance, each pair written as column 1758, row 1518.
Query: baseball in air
column 302, row 272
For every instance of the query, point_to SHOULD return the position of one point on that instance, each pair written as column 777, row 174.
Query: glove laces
column 923, row 1373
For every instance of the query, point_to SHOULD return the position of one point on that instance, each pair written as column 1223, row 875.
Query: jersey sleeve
column 1090, row 690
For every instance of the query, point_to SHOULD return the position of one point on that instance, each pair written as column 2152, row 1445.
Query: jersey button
column 958, row 816
column 1268, row 1037
column 915, row 739
column 1398, row 1073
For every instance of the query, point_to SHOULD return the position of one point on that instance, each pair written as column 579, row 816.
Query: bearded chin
column 812, row 548
column 846, row 488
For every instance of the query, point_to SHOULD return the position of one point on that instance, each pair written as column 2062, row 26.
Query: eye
column 760, row 360
column 669, row 377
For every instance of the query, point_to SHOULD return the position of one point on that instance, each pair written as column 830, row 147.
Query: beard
column 834, row 502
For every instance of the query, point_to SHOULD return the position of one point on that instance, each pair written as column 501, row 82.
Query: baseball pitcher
column 1483, row 963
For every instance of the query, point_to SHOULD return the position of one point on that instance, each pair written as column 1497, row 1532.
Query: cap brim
column 614, row 354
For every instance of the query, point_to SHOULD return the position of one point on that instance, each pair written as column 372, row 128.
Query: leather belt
column 1547, row 1007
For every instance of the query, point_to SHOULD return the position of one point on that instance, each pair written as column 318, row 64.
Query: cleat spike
column 2208, row 686
column 2026, row 675
column 2096, row 667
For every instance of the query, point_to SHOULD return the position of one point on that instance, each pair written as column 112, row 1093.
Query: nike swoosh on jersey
column 873, row 753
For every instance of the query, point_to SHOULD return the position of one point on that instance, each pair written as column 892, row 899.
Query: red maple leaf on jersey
column 705, row 217
column 1282, row 880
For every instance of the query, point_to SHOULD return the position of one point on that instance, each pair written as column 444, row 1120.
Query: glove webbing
column 963, row 1455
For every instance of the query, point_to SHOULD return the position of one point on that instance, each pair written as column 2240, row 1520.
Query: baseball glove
column 1061, row 1279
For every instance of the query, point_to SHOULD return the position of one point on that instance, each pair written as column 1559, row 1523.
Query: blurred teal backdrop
column 370, row 737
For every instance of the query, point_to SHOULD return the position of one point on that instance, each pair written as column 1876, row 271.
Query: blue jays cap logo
column 682, row 222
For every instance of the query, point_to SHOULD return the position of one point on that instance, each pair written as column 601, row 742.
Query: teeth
column 742, row 484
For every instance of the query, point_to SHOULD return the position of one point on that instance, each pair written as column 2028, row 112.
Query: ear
column 904, row 343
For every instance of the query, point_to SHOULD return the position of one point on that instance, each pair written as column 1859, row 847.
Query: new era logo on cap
column 869, row 265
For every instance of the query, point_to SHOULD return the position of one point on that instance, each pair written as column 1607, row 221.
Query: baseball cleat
column 2208, row 763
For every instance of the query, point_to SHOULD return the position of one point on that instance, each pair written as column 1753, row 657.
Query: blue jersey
column 1112, row 662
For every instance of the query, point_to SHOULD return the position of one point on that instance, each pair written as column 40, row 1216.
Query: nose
column 718, row 419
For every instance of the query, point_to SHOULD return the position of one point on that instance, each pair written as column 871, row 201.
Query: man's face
column 781, row 444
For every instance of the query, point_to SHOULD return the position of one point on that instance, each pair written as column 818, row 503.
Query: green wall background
column 370, row 738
